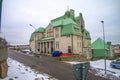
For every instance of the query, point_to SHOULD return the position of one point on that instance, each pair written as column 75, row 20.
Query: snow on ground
column 98, row 68
column 18, row 71
column 100, row 65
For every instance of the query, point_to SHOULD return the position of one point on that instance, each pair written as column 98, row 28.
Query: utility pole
column 0, row 14
column 104, row 44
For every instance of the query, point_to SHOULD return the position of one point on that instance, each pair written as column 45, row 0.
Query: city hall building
column 66, row 33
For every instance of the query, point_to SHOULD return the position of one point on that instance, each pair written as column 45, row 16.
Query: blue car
column 56, row 53
column 115, row 64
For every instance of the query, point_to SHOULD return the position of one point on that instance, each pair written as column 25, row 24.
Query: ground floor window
column 69, row 49
column 57, row 44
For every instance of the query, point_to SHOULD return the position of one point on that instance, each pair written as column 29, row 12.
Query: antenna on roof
column 67, row 7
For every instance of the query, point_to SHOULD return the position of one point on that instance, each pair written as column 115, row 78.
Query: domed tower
column 35, row 37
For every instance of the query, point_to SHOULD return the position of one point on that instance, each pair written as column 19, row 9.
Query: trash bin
column 80, row 70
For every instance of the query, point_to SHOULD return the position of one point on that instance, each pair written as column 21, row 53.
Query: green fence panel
column 80, row 70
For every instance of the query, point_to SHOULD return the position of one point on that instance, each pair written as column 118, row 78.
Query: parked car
column 27, row 51
column 66, row 54
column 56, row 53
column 115, row 64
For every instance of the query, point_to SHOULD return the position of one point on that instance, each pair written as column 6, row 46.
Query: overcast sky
column 18, row 14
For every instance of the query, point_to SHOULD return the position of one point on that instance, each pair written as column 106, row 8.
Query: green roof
column 40, row 29
column 68, row 21
column 77, row 18
column 47, row 38
column 70, row 29
column 69, row 25
column 87, row 35
column 57, row 21
column 98, row 44
column 32, row 37
column 63, row 21
column 67, row 18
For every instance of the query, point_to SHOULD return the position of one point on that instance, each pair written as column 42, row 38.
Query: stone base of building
column 87, row 52
column 3, row 68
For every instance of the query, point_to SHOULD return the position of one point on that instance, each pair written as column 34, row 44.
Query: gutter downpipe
column 72, row 42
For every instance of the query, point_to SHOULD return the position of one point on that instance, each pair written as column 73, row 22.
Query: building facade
column 100, row 49
column 66, row 33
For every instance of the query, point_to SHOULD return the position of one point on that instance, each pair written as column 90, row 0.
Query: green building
column 66, row 33
column 98, row 49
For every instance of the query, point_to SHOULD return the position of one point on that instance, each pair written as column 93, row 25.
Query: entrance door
column 69, row 49
column 51, row 49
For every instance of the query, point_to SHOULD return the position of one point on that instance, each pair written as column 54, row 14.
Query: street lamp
column 32, row 26
column 104, row 44
column 35, row 38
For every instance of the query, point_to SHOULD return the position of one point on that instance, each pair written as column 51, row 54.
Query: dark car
column 115, row 64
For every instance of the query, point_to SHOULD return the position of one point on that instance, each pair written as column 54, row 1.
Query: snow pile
column 18, row 71
column 99, row 68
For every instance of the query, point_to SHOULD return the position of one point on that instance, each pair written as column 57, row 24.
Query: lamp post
column 35, row 38
column 0, row 16
column 104, row 44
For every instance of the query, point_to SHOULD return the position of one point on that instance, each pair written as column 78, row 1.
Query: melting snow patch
column 113, row 74
column 18, row 71
column 98, row 68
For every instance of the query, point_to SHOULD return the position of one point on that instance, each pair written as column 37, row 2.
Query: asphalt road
column 49, row 65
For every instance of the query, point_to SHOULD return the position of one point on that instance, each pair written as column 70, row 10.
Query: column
column 53, row 44
column 40, row 47
column 43, row 47
column 46, row 46
column 52, row 48
column 49, row 47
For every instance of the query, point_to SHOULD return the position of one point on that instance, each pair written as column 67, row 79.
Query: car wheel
column 114, row 66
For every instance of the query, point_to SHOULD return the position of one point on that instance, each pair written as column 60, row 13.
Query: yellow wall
column 32, row 46
column 77, row 44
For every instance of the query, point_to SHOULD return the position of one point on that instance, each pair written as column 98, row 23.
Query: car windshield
column 118, row 61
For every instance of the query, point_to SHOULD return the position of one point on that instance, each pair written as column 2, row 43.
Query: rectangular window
column 56, row 35
column 78, row 38
column 77, row 44
column 57, row 45
column 80, row 44
column 68, row 36
column 57, row 29
column 56, row 32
